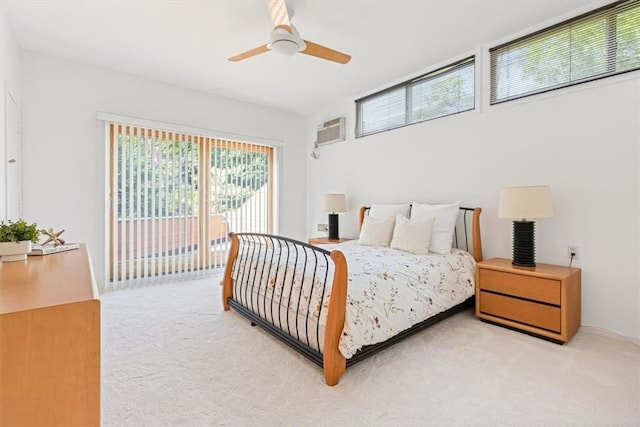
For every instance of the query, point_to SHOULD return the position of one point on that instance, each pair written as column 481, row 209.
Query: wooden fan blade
column 250, row 53
column 278, row 12
column 320, row 51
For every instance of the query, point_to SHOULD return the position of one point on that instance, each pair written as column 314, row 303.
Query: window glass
column 443, row 92
column 602, row 43
column 385, row 111
column 443, row 95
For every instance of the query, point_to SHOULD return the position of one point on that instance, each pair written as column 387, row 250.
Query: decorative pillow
column 376, row 231
column 444, row 225
column 412, row 235
column 385, row 211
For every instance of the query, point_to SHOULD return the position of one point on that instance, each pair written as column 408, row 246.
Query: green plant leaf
column 18, row 231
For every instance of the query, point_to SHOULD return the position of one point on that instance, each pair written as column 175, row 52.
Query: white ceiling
column 187, row 43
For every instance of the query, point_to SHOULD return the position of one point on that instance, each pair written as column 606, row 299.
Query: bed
column 339, row 304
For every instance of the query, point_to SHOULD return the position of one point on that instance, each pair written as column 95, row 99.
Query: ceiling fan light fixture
column 284, row 47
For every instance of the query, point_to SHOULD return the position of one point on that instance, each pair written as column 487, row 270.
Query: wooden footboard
column 280, row 284
column 334, row 362
column 227, row 281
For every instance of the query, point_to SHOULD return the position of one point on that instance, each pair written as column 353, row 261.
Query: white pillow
column 385, row 211
column 444, row 225
column 412, row 235
column 376, row 231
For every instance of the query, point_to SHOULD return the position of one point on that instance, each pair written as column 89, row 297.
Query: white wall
column 583, row 141
column 10, row 81
column 64, row 143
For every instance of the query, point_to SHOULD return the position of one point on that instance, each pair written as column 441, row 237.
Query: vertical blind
column 175, row 197
column 448, row 90
column 602, row 43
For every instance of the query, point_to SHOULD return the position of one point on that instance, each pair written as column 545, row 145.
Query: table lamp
column 334, row 203
column 523, row 204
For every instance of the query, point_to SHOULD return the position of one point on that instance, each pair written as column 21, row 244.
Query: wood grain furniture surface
column 333, row 363
column 326, row 240
column 50, row 341
column 544, row 300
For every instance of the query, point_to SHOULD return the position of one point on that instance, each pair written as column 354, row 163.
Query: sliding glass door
column 175, row 197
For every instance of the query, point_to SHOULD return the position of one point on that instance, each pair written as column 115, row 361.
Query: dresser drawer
column 527, row 312
column 533, row 288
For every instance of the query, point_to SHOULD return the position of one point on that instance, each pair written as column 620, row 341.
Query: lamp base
column 333, row 226
column 524, row 244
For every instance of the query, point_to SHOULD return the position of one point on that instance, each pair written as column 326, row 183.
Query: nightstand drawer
column 533, row 288
column 527, row 312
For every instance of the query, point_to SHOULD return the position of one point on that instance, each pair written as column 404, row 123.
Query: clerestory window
column 598, row 44
column 448, row 90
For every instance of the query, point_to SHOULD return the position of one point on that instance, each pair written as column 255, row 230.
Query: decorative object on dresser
column 544, row 301
column 325, row 240
column 53, row 237
column 523, row 204
column 334, row 203
column 48, row 249
column 16, row 239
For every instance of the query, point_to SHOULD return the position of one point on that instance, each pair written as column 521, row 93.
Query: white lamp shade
column 525, row 202
column 334, row 203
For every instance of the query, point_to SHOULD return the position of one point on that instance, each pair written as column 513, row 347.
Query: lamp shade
column 525, row 202
column 334, row 203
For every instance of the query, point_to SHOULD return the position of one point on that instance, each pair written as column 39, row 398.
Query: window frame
column 407, row 85
column 608, row 11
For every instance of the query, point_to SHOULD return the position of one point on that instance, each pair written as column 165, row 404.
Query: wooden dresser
column 49, row 341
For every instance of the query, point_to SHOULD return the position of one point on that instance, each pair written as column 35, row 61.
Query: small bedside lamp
column 334, row 203
column 525, row 203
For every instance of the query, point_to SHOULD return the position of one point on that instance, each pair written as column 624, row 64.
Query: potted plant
column 16, row 239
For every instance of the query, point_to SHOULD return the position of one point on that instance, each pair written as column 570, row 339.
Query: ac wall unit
column 331, row 131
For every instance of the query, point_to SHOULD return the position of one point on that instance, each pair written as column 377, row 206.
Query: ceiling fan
column 286, row 40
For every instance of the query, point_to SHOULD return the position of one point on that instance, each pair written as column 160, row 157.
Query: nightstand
column 543, row 300
column 325, row 240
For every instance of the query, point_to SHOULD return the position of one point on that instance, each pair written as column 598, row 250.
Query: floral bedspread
column 391, row 290
column 388, row 291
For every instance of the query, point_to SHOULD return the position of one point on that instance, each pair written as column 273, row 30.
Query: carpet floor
column 172, row 357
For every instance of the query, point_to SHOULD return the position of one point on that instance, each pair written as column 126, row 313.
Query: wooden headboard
column 468, row 226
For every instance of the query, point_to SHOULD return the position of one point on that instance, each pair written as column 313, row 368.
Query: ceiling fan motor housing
column 286, row 43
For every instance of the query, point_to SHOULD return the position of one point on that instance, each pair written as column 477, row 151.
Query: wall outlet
column 323, row 227
column 573, row 249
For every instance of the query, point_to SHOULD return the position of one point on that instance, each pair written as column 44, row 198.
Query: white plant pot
column 15, row 251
